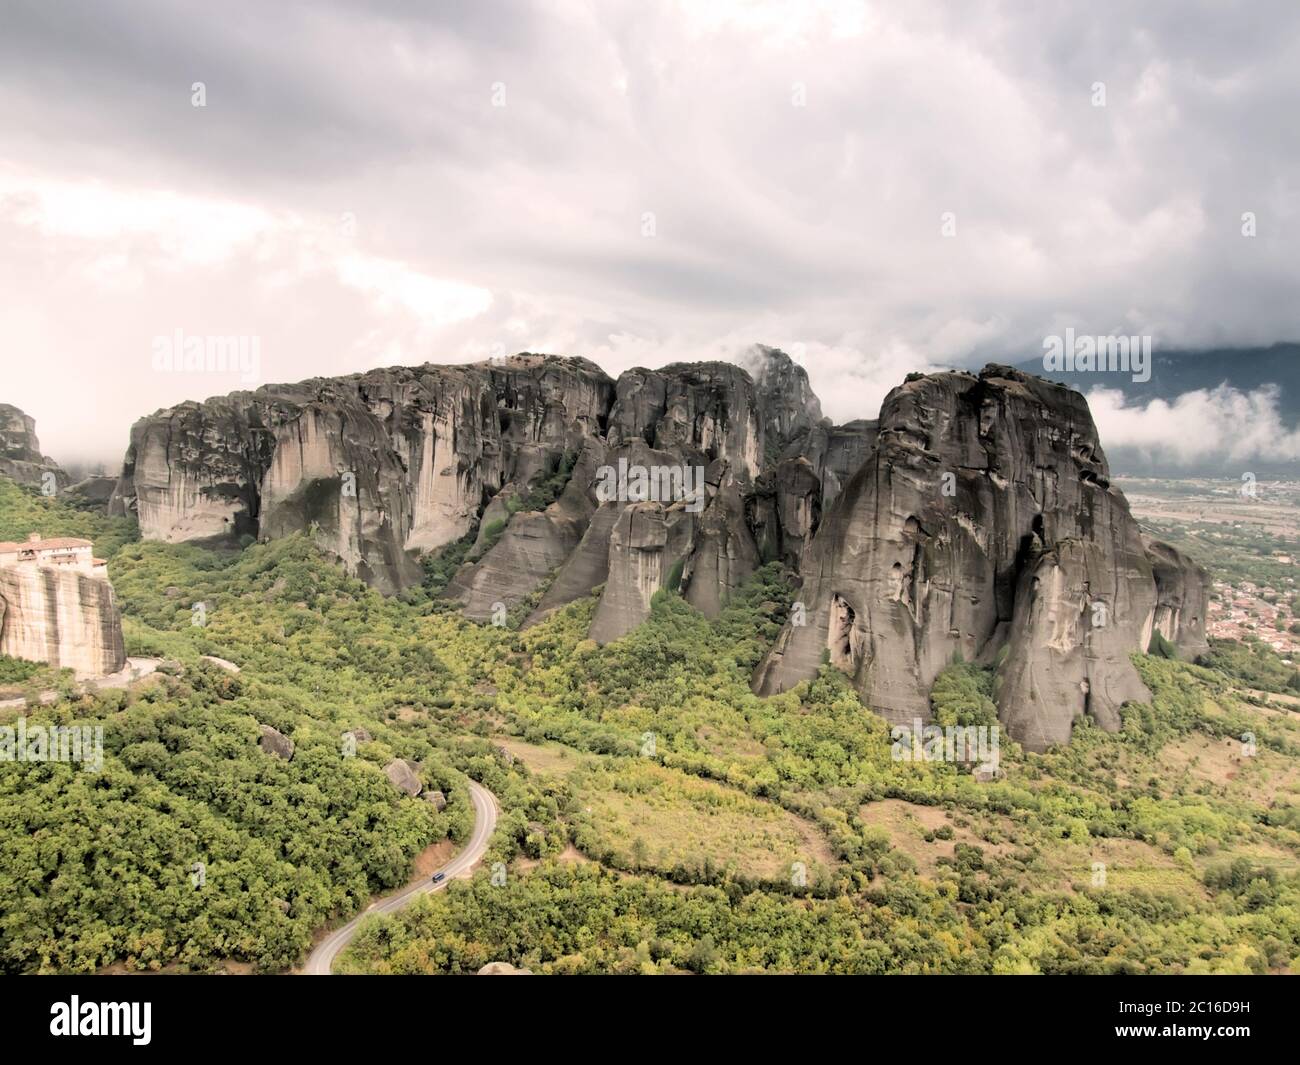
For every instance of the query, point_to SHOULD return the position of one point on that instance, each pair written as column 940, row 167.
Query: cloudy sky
column 370, row 183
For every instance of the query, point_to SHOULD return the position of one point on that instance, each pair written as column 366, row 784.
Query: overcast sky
column 372, row 183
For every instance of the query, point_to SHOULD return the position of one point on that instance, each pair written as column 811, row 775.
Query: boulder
column 403, row 777
column 276, row 743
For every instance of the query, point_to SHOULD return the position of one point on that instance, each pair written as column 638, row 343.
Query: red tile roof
column 54, row 543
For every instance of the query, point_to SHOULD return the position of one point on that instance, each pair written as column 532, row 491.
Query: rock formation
column 374, row 467
column 983, row 525
column 20, row 452
column 57, row 606
column 276, row 743
column 975, row 518
column 92, row 493
column 1181, row 590
column 402, row 775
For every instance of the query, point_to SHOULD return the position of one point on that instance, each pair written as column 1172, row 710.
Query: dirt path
column 134, row 670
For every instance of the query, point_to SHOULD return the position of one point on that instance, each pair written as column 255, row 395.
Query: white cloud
column 482, row 228
column 183, row 230
column 392, row 285
column 1219, row 424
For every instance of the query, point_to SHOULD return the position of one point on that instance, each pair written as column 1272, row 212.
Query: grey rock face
column 533, row 544
column 403, row 777
column 789, row 406
column 1181, row 597
column 94, row 492
column 699, row 411
column 974, row 518
column 785, row 509
column 648, row 549
column 723, row 553
column 982, row 519
column 276, row 743
column 374, row 467
column 835, row 452
column 1077, row 621
column 20, row 451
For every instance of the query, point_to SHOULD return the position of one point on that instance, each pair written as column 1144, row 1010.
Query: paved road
column 321, row 960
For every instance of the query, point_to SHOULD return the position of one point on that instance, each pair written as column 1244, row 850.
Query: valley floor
column 655, row 815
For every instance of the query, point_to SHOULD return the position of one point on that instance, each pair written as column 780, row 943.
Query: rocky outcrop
column 785, row 397
column 1182, row 587
column 402, row 775
column 20, row 452
column 92, row 493
column 276, row 743
column 835, row 453
column 974, row 518
column 1080, row 613
column 375, row 467
column 648, row 549
column 698, row 412
column 705, row 424
column 61, row 616
column 531, row 545
column 723, row 553
column 982, row 525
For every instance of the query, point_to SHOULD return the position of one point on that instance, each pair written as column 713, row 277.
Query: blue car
column 439, row 876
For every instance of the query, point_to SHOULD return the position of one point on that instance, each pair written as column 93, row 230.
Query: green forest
column 656, row 815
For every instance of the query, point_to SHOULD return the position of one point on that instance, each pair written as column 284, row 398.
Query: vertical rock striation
column 975, row 518
column 61, row 616
column 982, row 525
column 375, row 467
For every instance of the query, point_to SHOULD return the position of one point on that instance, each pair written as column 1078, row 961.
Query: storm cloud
column 877, row 188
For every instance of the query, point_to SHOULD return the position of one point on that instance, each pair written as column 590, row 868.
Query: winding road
column 321, row 960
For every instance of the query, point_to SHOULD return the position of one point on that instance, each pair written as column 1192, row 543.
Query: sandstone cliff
column 60, row 616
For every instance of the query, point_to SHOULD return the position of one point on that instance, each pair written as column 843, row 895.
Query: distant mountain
column 1176, row 372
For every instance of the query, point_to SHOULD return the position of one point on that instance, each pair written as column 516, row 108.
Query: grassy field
column 643, row 816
